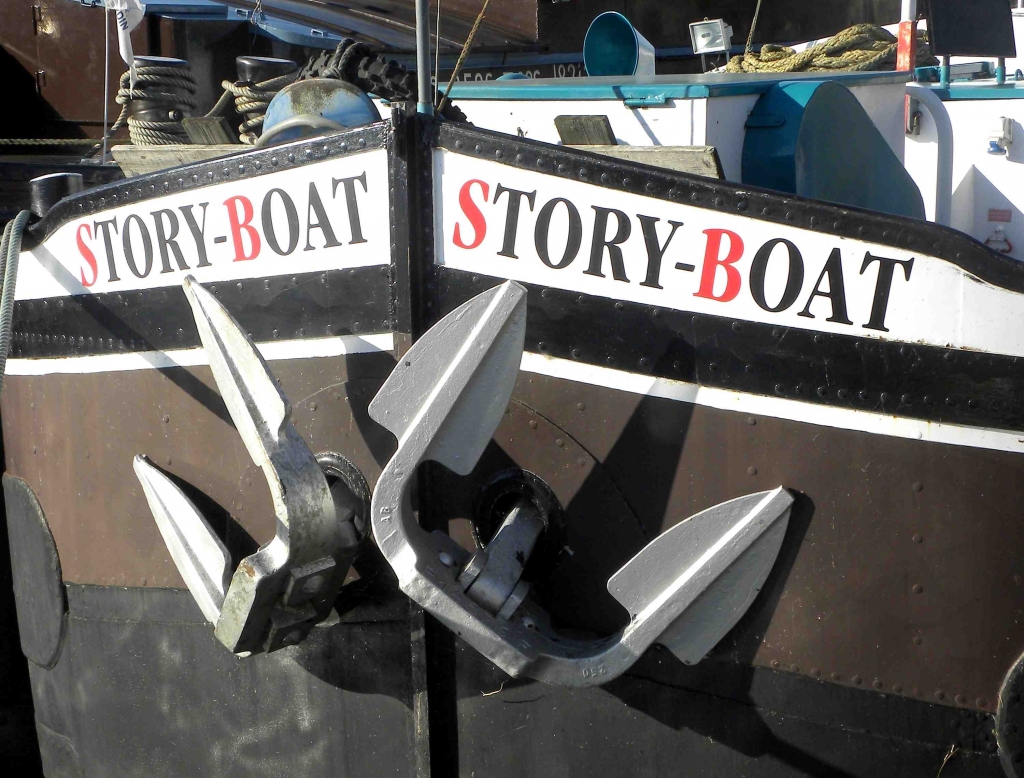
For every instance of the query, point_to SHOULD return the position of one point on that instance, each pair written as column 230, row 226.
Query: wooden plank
column 585, row 130
column 137, row 160
column 698, row 160
column 209, row 130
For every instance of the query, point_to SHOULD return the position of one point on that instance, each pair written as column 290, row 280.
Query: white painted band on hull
column 313, row 218
column 634, row 383
column 775, row 407
column 192, row 357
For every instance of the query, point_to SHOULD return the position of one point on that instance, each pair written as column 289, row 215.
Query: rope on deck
column 860, row 47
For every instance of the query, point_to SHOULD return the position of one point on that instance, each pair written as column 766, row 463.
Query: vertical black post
column 411, row 252
column 412, row 245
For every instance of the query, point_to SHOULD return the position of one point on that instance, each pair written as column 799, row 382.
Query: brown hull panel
column 886, row 581
column 72, row 438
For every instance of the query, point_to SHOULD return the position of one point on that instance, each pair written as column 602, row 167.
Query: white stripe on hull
column 192, row 357
column 775, row 407
column 634, row 383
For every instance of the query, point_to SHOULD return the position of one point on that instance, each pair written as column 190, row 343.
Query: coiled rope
column 860, row 47
column 251, row 99
column 155, row 82
column 10, row 252
column 344, row 61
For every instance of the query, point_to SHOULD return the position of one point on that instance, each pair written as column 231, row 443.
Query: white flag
column 129, row 15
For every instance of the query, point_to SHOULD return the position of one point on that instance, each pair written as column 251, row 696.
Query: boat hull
column 881, row 637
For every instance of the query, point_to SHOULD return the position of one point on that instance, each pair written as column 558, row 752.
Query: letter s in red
column 87, row 255
column 472, row 212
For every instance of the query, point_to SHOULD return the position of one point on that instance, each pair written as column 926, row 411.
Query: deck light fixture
column 710, row 36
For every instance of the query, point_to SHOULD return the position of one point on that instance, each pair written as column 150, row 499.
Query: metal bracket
column 492, row 576
column 650, row 101
column 685, row 590
column 277, row 594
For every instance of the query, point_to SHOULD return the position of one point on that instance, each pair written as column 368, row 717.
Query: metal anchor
column 685, row 590
column 278, row 593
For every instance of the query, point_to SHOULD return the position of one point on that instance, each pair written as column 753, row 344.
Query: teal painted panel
column 1011, row 90
column 682, row 87
column 814, row 139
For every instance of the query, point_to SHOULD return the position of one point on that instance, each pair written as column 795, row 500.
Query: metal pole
column 106, row 81
column 424, row 95
column 906, row 56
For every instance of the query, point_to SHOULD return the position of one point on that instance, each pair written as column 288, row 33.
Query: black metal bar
column 412, row 233
column 289, row 307
column 911, row 380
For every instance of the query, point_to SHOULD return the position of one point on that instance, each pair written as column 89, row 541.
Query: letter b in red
column 713, row 260
column 240, row 224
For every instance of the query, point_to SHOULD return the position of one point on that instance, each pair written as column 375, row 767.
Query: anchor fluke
column 451, row 388
column 258, row 407
column 200, row 556
column 689, row 586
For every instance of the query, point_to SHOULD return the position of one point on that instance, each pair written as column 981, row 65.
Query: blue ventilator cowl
column 314, row 106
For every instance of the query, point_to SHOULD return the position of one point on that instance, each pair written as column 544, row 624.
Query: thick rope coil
column 345, row 57
column 860, row 47
column 251, row 99
column 10, row 252
column 153, row 83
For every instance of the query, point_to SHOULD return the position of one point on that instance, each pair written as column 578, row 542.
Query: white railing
column 944, row 136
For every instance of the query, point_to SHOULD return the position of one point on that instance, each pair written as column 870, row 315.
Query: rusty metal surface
column 72, row 436
column 903, row 560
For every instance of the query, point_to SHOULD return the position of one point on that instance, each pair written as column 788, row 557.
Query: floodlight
column 710, row 36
